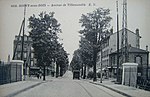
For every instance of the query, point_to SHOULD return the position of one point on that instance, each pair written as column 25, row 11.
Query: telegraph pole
column 22, row 29
column 22, row 50
column 117, row 43
column 124, row 40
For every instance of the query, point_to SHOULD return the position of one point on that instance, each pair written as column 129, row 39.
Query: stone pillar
column 129, row 74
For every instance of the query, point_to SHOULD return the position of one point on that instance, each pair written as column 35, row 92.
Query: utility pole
column 124, row 38
column 22, row 50
column 15, row 48
column 117, row 43
column 22, row 29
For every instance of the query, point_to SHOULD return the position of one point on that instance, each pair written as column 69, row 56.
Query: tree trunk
column 61, row 71
column 84, row 76
column 44, row 74
column 94, row 63
column 82, row 71
column 57, row 70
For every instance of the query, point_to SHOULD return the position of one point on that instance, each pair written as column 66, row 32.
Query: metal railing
column 143, row 83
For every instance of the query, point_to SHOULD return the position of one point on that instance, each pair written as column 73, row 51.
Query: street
column 66, row 87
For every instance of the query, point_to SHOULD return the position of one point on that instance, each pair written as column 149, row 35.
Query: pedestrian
column 38, row 75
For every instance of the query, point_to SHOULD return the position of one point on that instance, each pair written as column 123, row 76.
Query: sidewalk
column 122, row 89
column 12, row 89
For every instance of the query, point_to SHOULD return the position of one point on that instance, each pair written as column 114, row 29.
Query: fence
column 143, row 82
column 10, row 73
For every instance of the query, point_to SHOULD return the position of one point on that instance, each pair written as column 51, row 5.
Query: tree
column 95, row 29
column 44, row 30
column 76, row 61
column 62, row 61
column 86, row 54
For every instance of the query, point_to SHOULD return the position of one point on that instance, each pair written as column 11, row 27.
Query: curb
column 122, row 93
column 23, row 90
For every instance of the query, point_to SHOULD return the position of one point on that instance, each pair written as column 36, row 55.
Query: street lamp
column 44, row 72
column 43, row 68
column 101, row 63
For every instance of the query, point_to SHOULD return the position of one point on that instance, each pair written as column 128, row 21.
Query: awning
column 111, row 67
column 99, row 70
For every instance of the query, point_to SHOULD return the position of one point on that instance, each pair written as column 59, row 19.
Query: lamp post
column 101, row 63
column 43, row 68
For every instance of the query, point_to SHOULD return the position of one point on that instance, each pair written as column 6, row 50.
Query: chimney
column 137, row 32
column 146, row 47
column 137, row 38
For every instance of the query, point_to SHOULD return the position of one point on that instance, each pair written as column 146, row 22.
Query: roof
column 133, row 50
column 137, row 50
column 130, row 64
column 127, row 30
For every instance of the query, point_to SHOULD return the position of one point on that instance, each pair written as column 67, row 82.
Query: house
column 29, row 59
column 136, row 55
column 28, row 52
column 109, row 49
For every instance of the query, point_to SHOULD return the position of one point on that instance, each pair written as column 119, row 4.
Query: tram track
column 88, row 92
column 84, row 89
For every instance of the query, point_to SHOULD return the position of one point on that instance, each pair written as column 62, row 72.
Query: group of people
column 39, row 75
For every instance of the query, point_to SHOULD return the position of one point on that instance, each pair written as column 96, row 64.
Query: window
column 25, row 55
column 114, row 60
column 107, row 52
column 19, row 38
column 32, row 63
column 25, row 38
column 25, row 47
column 29, row 38
column 107, row 62
column 19, row 47
column 32, row 55
column 108, row 42
column 19, row 55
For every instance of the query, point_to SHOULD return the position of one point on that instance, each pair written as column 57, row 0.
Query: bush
column 90, row 75
column 99, row 74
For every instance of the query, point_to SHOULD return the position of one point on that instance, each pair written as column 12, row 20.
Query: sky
column 11, row 16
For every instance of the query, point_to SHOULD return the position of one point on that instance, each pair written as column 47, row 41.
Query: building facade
column 109, row 47
column 29, row 59
column 28, row 52
column 136, row 55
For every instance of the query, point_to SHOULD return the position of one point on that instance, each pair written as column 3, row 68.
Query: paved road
column 66, row 87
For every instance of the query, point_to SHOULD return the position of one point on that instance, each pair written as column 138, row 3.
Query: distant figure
column 38, row 75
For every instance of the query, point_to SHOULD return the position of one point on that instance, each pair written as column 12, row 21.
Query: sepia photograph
column 74, row 48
